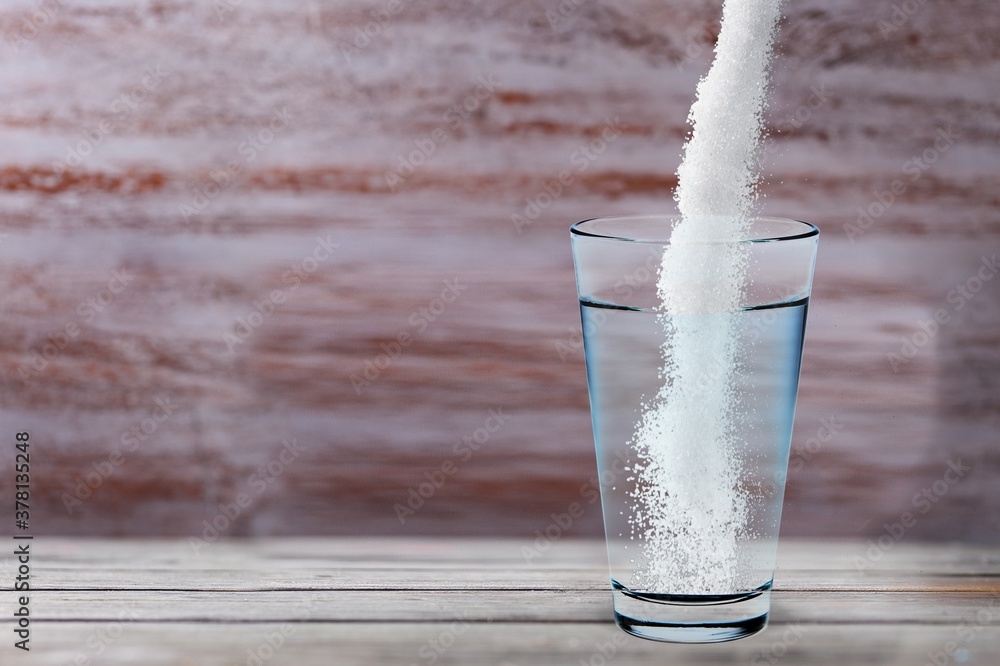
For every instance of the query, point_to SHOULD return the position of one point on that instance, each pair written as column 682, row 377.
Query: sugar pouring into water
column 690, row 512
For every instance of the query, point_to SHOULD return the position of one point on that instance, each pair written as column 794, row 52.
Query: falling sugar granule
column 690, row 512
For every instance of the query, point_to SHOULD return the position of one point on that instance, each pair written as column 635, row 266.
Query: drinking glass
column 692, row 409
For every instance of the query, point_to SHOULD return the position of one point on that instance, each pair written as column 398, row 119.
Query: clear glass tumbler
column 692, row 400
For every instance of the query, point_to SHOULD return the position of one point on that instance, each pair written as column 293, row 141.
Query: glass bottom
column 691, row 618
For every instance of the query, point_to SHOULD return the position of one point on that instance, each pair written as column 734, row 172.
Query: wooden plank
column 331, row 578
column 460, row 644
column 379, row 552
column 484, row 606
column 374, row 601
column 460, row 564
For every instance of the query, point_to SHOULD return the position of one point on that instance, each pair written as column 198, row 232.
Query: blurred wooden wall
column 279, row 267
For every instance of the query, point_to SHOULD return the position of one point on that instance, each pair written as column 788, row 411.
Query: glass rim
column 805, row 230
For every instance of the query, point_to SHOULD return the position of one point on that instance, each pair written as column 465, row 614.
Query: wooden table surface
column 453, row 601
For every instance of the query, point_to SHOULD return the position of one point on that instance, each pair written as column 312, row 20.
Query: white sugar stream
column 690, row 511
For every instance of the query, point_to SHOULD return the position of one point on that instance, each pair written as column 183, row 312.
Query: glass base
column 691, row 618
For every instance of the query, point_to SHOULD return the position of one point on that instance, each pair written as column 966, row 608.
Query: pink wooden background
column 215, row 215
